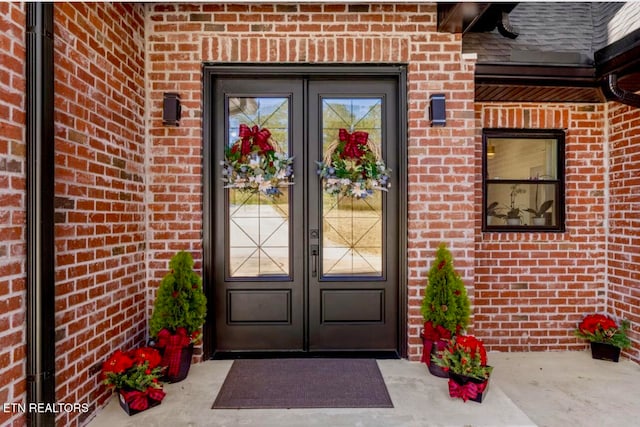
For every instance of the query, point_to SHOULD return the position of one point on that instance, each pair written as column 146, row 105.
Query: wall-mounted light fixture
column 437, row 110
column 491, row 151
column 171, row 109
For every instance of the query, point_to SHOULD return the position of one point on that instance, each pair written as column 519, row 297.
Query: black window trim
column 517, row 133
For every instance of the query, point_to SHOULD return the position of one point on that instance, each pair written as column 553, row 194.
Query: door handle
column 315, row 250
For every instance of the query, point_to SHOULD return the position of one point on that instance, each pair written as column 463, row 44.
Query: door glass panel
column 351, row 227
column 258, row 225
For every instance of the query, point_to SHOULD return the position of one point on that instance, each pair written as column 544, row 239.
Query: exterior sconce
column 171, row 109
column 437, row 110
column 491, row 151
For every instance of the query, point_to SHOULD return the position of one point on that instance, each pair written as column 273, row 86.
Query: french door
column 305, row 271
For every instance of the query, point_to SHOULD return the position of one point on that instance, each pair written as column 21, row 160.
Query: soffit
column 562, row 52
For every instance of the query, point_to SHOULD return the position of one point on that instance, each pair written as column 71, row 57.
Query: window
column 523, row 180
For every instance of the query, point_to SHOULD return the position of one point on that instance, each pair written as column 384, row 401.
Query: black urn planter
column 605, row 351
column 429, row 350
column 467, row 388
column 177, row 369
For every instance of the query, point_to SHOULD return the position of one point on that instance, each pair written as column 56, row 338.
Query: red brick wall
column 124, row 204
column 624, row 218
column 441, row 160
column 532, row 289
column 13, row 209
column 100, row 193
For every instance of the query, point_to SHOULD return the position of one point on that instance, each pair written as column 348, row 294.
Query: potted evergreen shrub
column 445, row 308
column 178, row 314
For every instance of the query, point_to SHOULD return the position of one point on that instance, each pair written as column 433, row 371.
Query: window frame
column 558, row 182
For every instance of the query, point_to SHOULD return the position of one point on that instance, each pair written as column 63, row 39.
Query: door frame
column 212, row 71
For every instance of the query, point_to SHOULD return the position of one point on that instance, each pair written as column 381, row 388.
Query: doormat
column 303, row 383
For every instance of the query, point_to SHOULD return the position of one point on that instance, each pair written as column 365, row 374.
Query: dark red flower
column 472, row 346
column 442, row 264
column 146, row 354
column 595, row 322
column 175, row 294
column 117, row 363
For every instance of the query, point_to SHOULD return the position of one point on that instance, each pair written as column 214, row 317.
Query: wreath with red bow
column 353, row 167
column 255, row 163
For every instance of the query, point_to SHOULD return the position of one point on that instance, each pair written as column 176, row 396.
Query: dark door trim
column 210, row 72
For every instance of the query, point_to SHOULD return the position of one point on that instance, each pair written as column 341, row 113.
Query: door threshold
column 345, row 354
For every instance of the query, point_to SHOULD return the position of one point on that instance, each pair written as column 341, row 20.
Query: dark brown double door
column 306, row 271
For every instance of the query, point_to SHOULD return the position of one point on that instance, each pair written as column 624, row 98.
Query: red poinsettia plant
column 465, row 355
column 604, row 329
column 135, row 375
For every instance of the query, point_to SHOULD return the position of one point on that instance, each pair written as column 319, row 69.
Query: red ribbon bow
column 466, row 391
column 353, row 142
column 433, row 335
column 139, row 400
column 252, row 136
column 173, row 345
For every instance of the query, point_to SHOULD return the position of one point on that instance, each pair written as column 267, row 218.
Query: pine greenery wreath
column 255, row 163
column 353, row 167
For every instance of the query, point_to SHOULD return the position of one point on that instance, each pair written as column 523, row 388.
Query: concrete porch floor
column 526, row 389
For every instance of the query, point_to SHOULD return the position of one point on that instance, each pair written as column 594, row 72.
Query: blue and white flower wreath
column 254, row 163
column 353, row 167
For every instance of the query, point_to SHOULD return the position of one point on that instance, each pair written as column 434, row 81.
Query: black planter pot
column 481, row 386
column 435, row 346
column 130, row 411
column 605, row 351
column 185, row 363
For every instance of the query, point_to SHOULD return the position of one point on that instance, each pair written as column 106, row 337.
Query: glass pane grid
column 269, row 113
column 258, row 226
column 258, row 235
column 352, row 236
column 351, row 228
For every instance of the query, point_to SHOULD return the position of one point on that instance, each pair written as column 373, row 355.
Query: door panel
column 306, row 271
column 259, row 271
column 353, row 298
